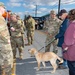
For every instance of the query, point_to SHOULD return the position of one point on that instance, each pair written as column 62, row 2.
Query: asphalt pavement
column 28, row 66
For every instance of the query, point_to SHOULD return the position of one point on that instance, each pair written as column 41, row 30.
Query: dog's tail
column 60, row 59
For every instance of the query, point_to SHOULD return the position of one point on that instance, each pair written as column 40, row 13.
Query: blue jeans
column 71, row 65
column 65, row 63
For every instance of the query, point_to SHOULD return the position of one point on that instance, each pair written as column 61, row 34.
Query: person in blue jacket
column 60, row 36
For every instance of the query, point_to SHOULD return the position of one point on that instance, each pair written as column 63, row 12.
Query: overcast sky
column 23, row 7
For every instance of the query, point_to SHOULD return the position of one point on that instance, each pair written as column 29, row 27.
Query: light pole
column 59, row 7
column 36, row 11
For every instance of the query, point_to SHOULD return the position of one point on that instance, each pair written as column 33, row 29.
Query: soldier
column 8, row 19
column 23, row 29
column 16, row 36
column 30, row 26
column 6, row 55
column 53, row 24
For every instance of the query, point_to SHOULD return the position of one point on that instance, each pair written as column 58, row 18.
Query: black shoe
column 27, row 44
column 62, row 67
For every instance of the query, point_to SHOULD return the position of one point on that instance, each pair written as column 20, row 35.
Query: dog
column 45, row 56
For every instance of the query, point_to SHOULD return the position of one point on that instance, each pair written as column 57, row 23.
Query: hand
column 66, row 48
column 12, row 28
column 55, row 38
column 9, row 41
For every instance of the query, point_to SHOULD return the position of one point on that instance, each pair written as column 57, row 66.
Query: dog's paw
column 37, row 69
column 52, row 71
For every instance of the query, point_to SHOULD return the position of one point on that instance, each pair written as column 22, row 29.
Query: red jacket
column 69, row 41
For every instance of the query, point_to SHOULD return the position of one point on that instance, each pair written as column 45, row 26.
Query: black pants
column 71, row 65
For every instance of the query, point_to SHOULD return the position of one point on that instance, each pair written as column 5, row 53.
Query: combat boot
column 31, row 42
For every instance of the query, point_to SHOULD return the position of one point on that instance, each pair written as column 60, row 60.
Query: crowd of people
column 12, row 38
column 61, row 29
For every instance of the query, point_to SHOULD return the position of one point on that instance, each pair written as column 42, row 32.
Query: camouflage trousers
column 5, row 70
column 8, row 70
column 17, row 43
column 48, row 46
column 6, row 59
column 30, row 37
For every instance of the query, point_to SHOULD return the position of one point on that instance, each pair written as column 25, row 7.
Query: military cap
column 13, row 14
column 52, row 12
column 2, row 4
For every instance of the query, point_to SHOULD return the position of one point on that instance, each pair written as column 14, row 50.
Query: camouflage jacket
column 6, row 55
column 30, row 24
column 53, row 26
column 4, row 33
column 18, row 29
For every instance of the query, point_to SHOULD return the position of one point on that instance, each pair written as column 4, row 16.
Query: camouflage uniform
column 17, row 38
column 6, row 55
column 30, row 26
column 53, row 27
column 23, row 26
column 23, row 29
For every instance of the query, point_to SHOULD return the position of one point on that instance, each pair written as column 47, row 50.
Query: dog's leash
column 47, row 44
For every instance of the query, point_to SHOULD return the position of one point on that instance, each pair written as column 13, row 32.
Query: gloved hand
column 56, row 37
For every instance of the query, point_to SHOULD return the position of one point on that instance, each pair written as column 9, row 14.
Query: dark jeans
column 71, row 65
